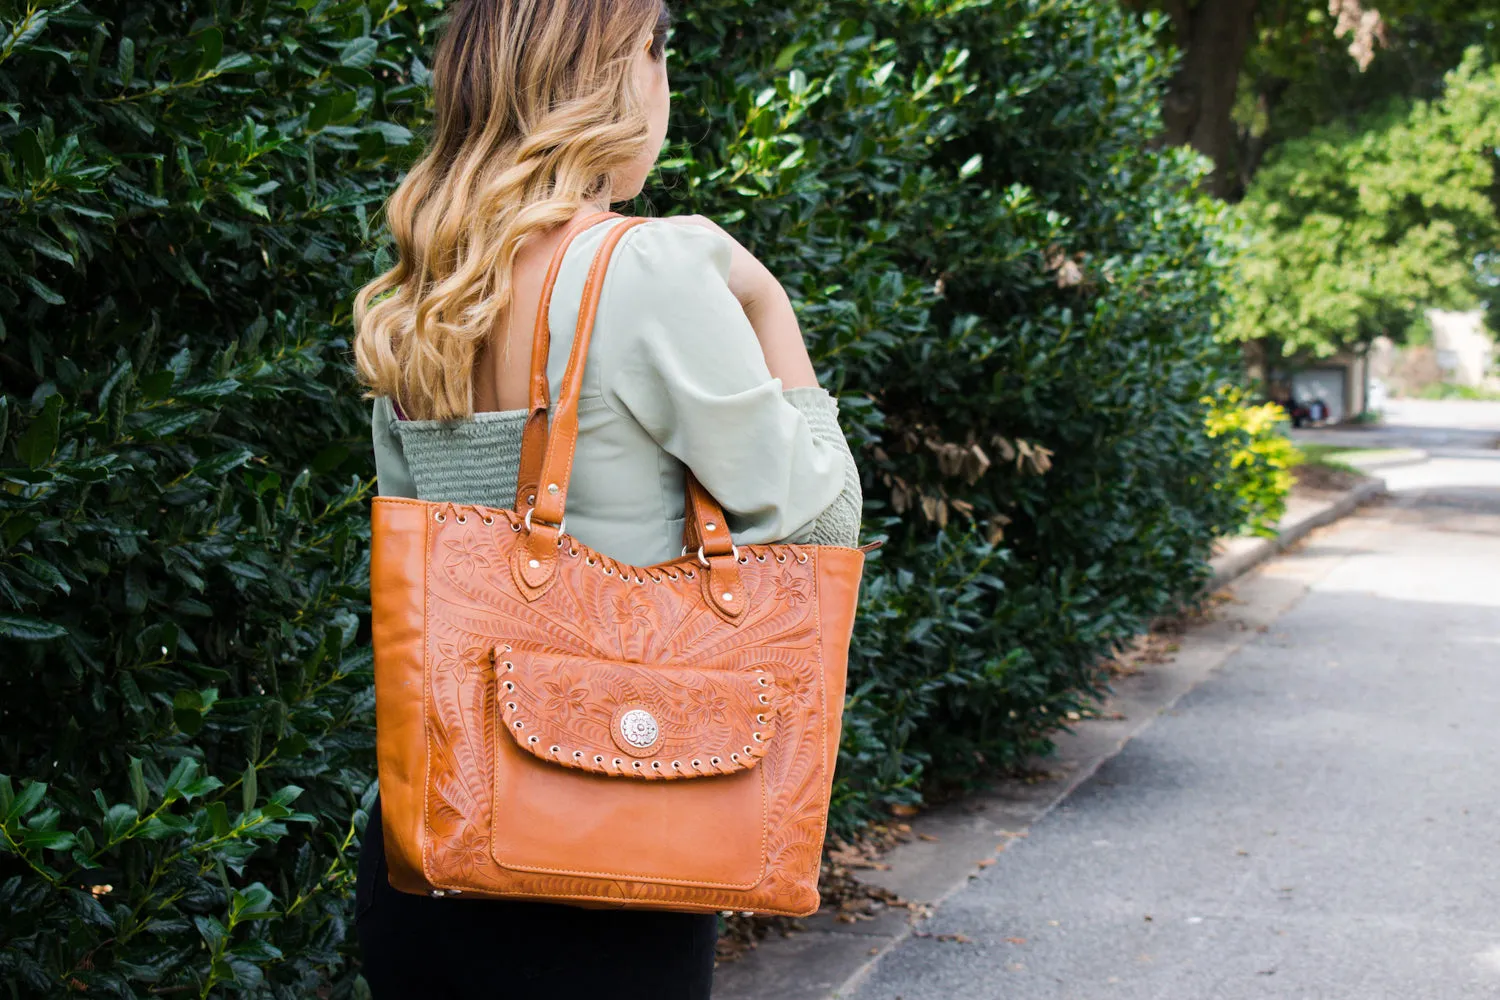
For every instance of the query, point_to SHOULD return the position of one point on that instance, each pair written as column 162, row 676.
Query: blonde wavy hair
column 536, row 107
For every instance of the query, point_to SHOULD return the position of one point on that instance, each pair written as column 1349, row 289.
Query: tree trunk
column 1214, row 36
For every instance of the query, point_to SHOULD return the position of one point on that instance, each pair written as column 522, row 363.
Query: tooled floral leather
column 618, row 618
column 635, row 720
column 666, row 654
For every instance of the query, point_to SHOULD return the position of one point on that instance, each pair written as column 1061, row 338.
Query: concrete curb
column 1244, row 554
column 830, row 960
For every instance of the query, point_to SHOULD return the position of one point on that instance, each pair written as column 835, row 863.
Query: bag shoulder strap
column 534, row 435
column 544, row 520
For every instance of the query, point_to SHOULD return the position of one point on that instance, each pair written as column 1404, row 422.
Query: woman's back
column 674, row 378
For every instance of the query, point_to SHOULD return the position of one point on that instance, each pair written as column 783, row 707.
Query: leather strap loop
column 703, row 520
column 534, row 435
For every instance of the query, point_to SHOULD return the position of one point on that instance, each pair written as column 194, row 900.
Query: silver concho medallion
column 639, row 728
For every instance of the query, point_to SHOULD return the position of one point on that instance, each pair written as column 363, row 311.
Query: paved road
column 1441, row 427
column 1320, row 820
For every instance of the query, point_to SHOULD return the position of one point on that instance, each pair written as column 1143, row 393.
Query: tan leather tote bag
column 555, row 725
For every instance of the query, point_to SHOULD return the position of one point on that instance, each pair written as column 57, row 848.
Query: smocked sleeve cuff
column 838, row 524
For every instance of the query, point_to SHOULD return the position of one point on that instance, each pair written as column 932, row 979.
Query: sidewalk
column 1315, row 821
column 968, row 836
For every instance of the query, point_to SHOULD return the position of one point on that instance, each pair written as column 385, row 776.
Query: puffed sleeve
column 392, row 473
column 683, row 361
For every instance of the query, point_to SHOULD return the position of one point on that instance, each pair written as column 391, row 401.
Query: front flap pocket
column 636, row 720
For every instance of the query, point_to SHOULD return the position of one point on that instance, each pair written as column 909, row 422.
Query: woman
column 548, row 111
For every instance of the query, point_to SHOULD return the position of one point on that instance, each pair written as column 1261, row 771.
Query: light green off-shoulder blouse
column 674, row 379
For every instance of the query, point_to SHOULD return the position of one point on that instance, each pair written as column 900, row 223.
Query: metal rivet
column 534, row 564
column 552, row 488
column 728, row 596
column 710, row 526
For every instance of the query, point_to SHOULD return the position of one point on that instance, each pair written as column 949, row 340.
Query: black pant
column 421, row 948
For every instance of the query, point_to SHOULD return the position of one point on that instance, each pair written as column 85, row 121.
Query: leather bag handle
column 544, row 520
column 534, row 434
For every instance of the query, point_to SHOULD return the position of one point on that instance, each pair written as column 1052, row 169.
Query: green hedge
column 1013, row 293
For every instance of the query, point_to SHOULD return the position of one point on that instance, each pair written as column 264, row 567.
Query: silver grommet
column 554, row 748
column 438, row 517
column 734, row 757
column 635, row 764
column 656, row 765
column 489, row 520
column 533, row 739
column 510, row 705
column 462, row 519
column 714, row 761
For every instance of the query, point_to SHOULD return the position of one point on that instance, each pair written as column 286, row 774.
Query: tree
column 1255, row 73
column 1213, row 37
column 1355, row 230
